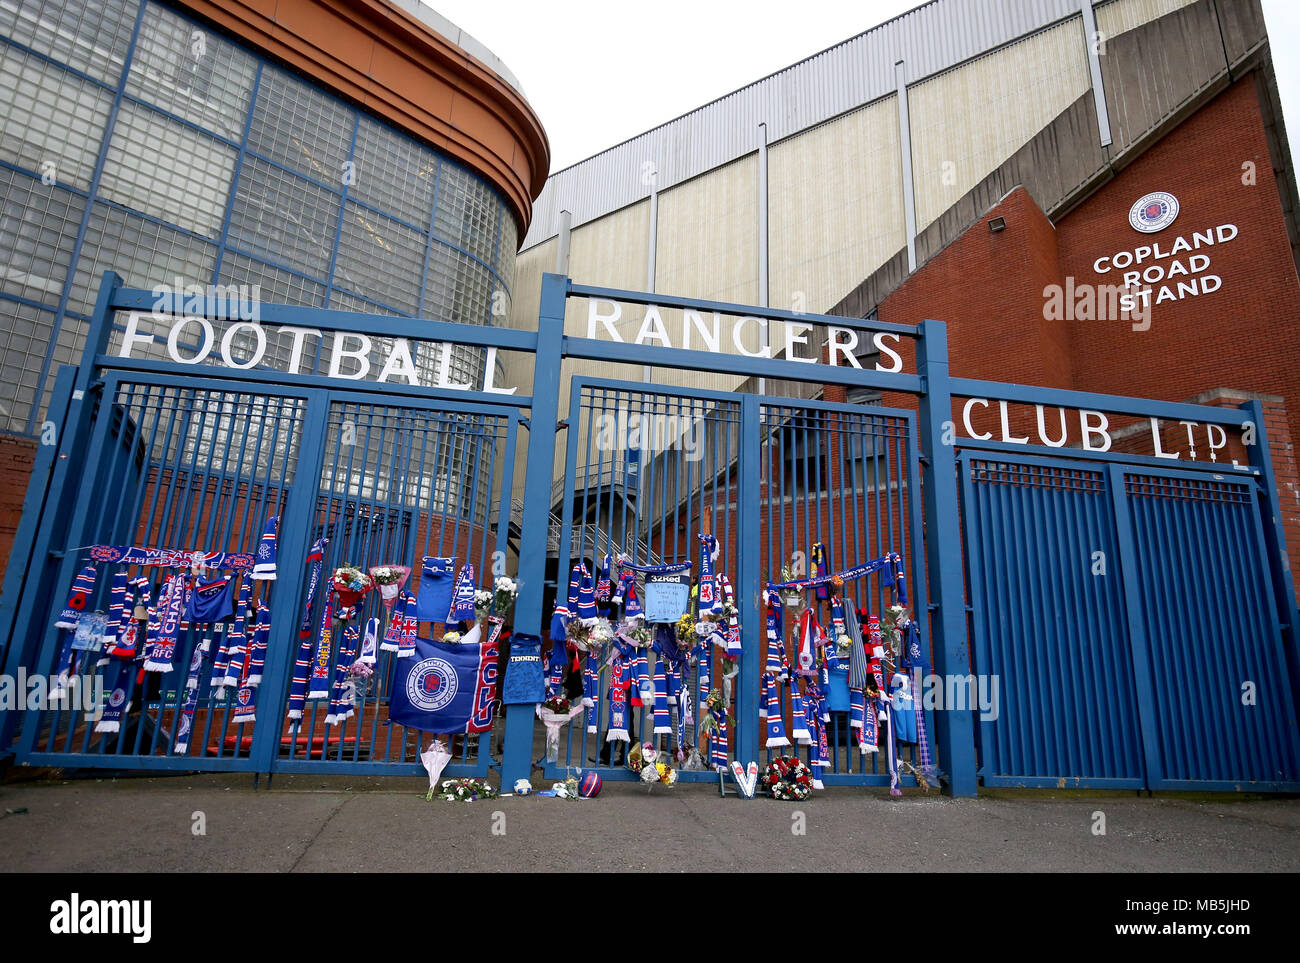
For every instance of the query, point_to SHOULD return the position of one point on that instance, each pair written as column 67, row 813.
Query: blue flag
column 445, row 687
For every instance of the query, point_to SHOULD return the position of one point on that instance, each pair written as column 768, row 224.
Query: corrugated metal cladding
column 929, row 39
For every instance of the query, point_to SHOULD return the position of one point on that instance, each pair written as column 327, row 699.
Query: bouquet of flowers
column 645, row 760
column 466, row 790
column 497, row 600
column 635, row 634
column 715, row 709
column 452, row 637
column 586, row 638
column 892, row 625
column 555, row 712
column 504, row 591
column 351, row 585
column 567, row 789
column 791, row 597
column 686, row 634
column 390, row 579
column 360, row 674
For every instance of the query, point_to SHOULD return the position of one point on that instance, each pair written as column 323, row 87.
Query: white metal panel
column 967, row 121
column 836, row 207
column 931, row 38
column 1121, row 16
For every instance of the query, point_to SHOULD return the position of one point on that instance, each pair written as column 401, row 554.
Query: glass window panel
column 467, row 213
column 277, row 286
column 300, row 127
column 380, row 259
column 283, row 218
column 161, row 167
column 25, row 333
column 192, row 72
column 51, row 122
column 143, row 252
column 394, row 173
column 90, row 37
column 38, row 230
column 458, row 287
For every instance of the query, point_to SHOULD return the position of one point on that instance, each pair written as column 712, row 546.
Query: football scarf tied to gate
column 82, row 587
column 603, row 586
column 341, row 707
column 264, row 568
column 303, row 661
column 461, row 608
column 228, row 663
column 710, row 600
column 181, row 744
column 145, row 557
column 172, row 601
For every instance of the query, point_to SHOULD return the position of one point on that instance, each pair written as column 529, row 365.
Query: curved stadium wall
column 137, row 139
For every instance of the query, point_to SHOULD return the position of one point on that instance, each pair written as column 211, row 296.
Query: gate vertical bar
column 749, row 588
column 516, row 761
column 1275, row 543
column 1144, row 679
column 293, row 542
column 955, row 733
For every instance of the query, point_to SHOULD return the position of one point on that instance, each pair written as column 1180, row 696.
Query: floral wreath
column 788, row 778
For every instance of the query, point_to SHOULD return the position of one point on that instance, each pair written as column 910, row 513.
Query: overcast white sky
column 600, row 71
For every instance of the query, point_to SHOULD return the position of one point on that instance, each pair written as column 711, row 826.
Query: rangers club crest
column 431, row 685
column 1153, row 212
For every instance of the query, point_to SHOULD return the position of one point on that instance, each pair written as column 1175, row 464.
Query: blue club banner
column 445, row 687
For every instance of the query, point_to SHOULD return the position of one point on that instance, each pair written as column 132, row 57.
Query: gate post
column 534, row 526
column 1261, row 457
column 47, row 507
column 749, row 580
column 955, row 729
column 294, row 540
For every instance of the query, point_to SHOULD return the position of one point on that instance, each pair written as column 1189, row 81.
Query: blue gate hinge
column 527, row 423
column 562, row 425
column 923, row 459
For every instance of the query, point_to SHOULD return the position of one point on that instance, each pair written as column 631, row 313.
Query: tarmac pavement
column 317, row 824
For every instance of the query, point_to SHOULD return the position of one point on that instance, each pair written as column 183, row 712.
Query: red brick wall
column 16, row 458
column 1245, row 334
column 989, row 289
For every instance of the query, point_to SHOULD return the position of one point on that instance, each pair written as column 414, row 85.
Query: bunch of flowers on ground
column 466, row 790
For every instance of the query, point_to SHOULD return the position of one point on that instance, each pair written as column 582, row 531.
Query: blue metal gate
column 1176, row 668
column 1128, row 616
column 647, row 469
